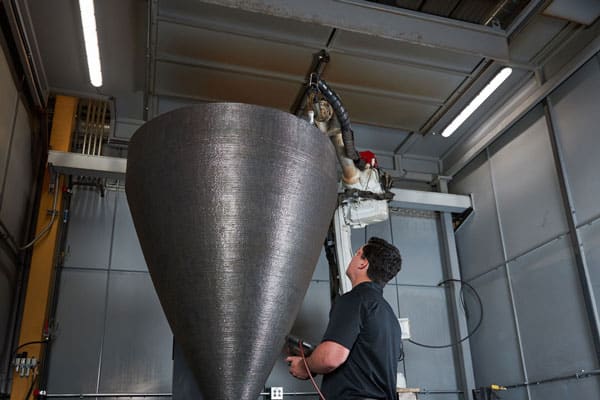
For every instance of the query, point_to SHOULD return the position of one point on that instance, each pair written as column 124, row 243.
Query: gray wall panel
column 19, row 178
column 381, row 229
column 526, row 185
column 590, row 236
column 391, row 295
column 514, row 394
column 418, row 239
column 313, row 316
column 322, row 268
column 576, row 110
column 126, row 251
column 497, row 331
column 90, row 228
column 551, row 313
column 583, row 389
column 8, row 108
column 481, row 227
column 428, row 313
column 359, row 237
column 75, row 350
column 137, row 353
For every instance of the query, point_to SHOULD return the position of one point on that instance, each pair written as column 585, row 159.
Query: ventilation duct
column 231, row 203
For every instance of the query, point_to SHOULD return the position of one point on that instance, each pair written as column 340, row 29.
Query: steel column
column 42, row 261
column 462, row 351
column 591, row 307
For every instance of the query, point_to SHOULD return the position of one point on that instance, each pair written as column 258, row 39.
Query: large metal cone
column 231, row 203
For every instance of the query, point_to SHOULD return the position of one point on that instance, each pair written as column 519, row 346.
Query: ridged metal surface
column 231, row 203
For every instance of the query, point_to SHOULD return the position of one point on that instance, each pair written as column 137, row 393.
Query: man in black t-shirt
column 359, row 354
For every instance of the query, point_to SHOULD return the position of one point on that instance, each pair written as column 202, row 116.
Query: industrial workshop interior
column 183, row 184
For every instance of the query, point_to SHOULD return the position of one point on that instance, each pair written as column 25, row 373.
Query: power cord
column 30, row 391
column 44, row 341
column 53, row 212
column 463, row 283
column 308, row 370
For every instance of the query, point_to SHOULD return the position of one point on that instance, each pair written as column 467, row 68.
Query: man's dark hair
column 384, row 260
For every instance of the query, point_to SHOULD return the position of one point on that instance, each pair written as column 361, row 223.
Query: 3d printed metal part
column 231, row 203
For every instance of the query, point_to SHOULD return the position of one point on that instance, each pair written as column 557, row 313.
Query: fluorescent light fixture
column 477, row 101
column 90, row 36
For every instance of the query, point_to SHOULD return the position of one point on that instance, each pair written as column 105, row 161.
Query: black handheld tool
column 294, row 343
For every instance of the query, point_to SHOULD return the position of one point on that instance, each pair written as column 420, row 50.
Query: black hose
column 341, row 113
column 433, row 346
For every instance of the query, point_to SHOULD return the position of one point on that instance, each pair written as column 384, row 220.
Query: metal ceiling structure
column 403, row 69
column 488, row 12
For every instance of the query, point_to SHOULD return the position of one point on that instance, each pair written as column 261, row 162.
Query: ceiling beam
column 385, row 22
column 261, row 73
column 398, row 58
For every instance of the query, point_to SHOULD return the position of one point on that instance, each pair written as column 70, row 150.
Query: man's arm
column 325, row 358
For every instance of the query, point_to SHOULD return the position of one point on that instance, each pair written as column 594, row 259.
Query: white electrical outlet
column 277, row 393
column 405, row 326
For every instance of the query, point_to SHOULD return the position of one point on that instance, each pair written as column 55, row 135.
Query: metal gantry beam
column 385, row 22
column 430, row 201
column 86, row 165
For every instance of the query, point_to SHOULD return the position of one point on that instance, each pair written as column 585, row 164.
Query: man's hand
column 325, row 358
column 297, row 367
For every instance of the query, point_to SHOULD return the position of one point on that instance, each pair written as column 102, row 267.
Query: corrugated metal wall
column 16, row 188
column 517, row 252
column 112, row 335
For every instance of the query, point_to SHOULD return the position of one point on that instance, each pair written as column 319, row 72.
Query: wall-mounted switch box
column 277, row 393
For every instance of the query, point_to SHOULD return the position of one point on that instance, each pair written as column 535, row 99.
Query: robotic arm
column 364, row 189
